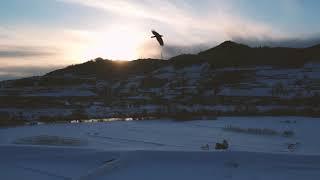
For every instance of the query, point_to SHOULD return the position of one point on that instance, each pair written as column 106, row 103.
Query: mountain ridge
column 227, row 54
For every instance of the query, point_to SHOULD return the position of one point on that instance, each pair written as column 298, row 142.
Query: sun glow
column 119, row 44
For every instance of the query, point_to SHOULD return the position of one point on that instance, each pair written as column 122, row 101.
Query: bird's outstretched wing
column 158, row 36
column 155, row 33
column 160, row 40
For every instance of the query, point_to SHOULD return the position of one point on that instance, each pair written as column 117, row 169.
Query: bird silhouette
column 158, row 36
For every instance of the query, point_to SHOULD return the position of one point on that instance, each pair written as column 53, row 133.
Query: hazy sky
column 40, row 35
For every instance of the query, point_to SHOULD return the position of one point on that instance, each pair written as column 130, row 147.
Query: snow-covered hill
column 231, row 79
column 195, row 89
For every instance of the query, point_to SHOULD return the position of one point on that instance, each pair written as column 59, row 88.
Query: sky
column 37, row 36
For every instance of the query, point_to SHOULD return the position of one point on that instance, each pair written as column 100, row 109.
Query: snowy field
column 260, row 148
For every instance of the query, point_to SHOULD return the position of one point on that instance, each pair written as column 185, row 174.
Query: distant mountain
column 227, row 45
column 234, row 54
column 315, row 47
column 227, row 54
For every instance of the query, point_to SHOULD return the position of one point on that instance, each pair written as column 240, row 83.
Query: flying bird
column 158, row 36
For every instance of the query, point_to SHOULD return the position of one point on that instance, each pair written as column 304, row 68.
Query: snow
column 264, row 92
column 64, row 163
column 31, row 114
column 261, row 82
column 63, row 93
column 312, row 65
column 221, row 165
column 165, row 73
column 173, row 135
column 161, row 149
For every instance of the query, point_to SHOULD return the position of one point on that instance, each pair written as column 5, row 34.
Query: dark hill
column 234, row 54
column 107, row 69
column 227, row 54
column 225, row 46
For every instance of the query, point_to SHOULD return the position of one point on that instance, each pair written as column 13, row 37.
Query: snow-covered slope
column 163, row 149
column 83, row 164
column 197, row 89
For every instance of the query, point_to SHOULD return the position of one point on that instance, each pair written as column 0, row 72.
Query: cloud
column 299, row 42
column 25, row 51
column 34, row 45
column 185, row 26
column 188, row 26
column 149, row 9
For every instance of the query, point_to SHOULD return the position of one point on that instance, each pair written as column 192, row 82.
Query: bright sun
column 120, row 44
